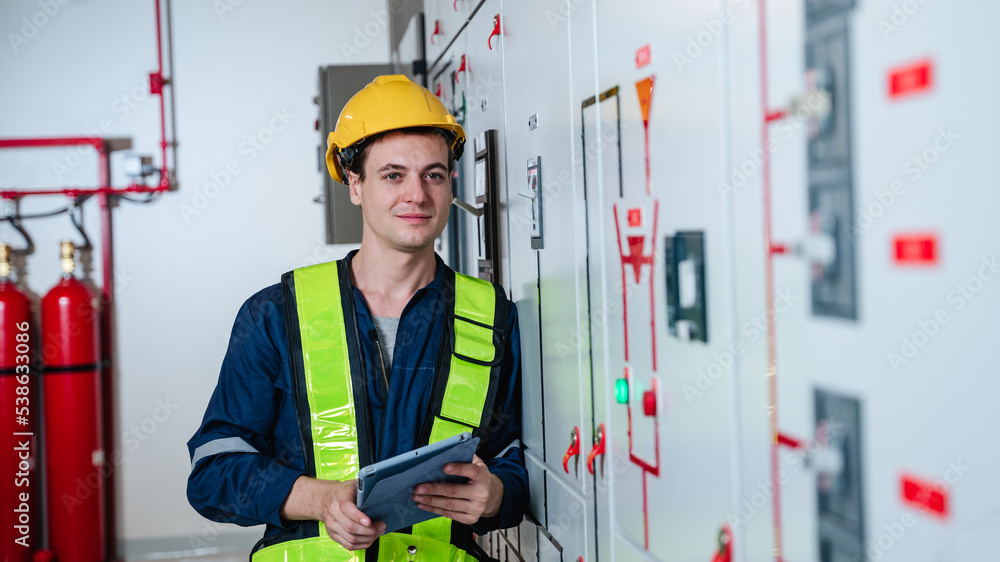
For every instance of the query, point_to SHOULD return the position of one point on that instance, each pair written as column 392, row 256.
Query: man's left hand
column 466, row 503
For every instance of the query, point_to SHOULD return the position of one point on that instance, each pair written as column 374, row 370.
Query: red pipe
column 772, row 360
column 164, row 172
column 621, row 254
column 110, row 386
column 76, row 191
column 97, row 143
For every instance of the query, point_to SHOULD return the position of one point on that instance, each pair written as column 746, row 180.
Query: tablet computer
column 385, row 489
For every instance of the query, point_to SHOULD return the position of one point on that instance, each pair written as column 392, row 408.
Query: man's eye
column 435, row 176
column 392, row 177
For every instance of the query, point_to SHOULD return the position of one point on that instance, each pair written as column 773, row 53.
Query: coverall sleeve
column 502, row 451
column 236, row 473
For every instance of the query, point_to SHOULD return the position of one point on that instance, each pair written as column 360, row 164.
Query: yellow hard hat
column 388, row 103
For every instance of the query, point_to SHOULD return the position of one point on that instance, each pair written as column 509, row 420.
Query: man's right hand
column 333, row 503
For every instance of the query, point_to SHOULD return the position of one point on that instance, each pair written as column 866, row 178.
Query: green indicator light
column 621, row 391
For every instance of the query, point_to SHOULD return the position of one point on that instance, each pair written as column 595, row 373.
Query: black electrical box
column 687, row 315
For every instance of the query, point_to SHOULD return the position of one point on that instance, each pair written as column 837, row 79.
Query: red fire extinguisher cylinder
column 20, row 522
column 74, row 443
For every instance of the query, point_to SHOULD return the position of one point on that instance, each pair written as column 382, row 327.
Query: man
column 347, row 363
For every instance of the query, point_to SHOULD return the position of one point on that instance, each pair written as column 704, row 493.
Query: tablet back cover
column 385, row 489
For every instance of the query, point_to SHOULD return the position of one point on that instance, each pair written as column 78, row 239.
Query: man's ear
column 354, row 184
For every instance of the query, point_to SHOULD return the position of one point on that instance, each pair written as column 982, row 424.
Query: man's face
column 406, row 194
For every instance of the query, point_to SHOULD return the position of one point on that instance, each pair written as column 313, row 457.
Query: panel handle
column 598, row 449
column 574, row 448
column 496, row 31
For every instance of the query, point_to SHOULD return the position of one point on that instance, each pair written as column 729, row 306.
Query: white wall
column 181, row 278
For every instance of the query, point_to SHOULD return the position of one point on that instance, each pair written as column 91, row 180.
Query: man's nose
column 414, row 190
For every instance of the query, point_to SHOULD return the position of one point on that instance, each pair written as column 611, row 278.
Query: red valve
column 496, row 31
column 438, row 91
column 725, row 551
column 597, row 450
column 574, row 448
column 461, row 68
column 649, row 402
column 437, row 30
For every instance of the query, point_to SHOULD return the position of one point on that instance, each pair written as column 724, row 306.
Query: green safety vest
column 332, row 401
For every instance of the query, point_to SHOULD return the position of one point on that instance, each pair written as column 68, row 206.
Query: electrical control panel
column 485, row 190
column 806, row 155
column 840, row 498
column 831, row 200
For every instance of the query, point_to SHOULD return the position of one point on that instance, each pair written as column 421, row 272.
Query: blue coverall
column 247, row 453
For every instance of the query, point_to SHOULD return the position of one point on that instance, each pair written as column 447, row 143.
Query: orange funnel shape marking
column 644, row 88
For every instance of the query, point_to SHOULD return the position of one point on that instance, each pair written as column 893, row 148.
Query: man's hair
column 357, row 164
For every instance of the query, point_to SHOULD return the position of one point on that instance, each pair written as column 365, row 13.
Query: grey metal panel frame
column 337, row 84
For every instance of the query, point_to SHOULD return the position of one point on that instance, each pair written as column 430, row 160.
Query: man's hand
column 333, row 503
column 465, row 503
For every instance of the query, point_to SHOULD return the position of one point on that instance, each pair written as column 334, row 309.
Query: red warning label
column 910, row 79
column 643, row 56
column 915, row 249
column 635, row 217
column 925, row 495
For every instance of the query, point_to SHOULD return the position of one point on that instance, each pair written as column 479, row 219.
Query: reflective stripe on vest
column 462, row 402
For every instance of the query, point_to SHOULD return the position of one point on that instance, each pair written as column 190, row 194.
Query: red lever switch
column 437, row 30
column 461, row 68
column 574, row 448
column 496, row 31
column 725, row 551
column 437, row 92
column 598, row 448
